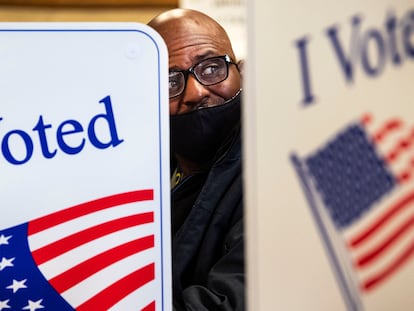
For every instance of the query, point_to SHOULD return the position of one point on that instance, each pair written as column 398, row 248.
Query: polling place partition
column 85, row 167
column 329, row 155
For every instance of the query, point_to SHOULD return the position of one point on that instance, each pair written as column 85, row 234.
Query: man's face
column 189, row 43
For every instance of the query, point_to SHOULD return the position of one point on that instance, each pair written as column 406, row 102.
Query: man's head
column 192, row 37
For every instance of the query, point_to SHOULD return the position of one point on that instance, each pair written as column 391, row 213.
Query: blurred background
column 83, row 10
column 229, row 13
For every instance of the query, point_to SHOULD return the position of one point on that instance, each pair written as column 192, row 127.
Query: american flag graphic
column 360, row 188
column 92, row 256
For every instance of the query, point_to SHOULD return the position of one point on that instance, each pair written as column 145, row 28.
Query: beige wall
column 130, row 13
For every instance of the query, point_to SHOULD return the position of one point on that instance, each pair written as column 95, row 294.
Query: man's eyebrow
column 203, row 56
column 196, row 59
column 175, row 68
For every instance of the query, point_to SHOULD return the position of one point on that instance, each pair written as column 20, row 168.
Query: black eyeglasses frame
column 186, row 72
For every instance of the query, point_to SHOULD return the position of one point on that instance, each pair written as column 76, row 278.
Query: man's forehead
column 191, row 47
column 186, row 60
column 188, row 29
column 191, row 36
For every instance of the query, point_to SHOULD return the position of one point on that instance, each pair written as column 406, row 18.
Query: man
column 207, row 206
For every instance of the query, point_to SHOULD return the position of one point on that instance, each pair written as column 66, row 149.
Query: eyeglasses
column 207, row 72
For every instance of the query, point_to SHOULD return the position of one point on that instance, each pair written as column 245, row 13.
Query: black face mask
column 197, row 135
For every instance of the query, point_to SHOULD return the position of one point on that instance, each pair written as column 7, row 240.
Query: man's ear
column 240, row 66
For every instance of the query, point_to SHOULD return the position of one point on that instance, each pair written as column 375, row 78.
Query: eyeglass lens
column 207, row 72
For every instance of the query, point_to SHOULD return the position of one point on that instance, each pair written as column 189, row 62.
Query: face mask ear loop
column 234, row 96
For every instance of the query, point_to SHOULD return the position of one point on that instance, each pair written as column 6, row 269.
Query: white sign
column 84, row 162
column 329, row 155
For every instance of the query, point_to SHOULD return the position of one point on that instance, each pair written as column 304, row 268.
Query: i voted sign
column 66, row 128
column 84, row 161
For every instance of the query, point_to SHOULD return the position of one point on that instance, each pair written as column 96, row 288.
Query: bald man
column 206, row 196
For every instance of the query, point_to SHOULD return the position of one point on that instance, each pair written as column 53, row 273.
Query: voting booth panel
column 329, row 155
column 85, row 167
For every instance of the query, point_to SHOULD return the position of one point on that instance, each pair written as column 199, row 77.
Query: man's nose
column 195, row 93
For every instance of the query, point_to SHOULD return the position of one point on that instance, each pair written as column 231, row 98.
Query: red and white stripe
column 100, row 254
column 383, row 240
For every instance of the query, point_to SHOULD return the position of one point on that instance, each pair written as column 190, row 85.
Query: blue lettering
column 64, row 130
column 109, row 117
column 390, row 26
column 375, row 37
column 408, row 30
column 76, row 127
column 308, row 98
column 344, row 60
column 41, row 128
column 370, row 49
column 5, row 147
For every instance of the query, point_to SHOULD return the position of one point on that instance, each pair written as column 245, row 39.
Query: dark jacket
column 207, row 249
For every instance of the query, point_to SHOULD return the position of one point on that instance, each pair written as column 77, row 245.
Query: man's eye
column 173, row 84
column 174, row 81
column 210, row 69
